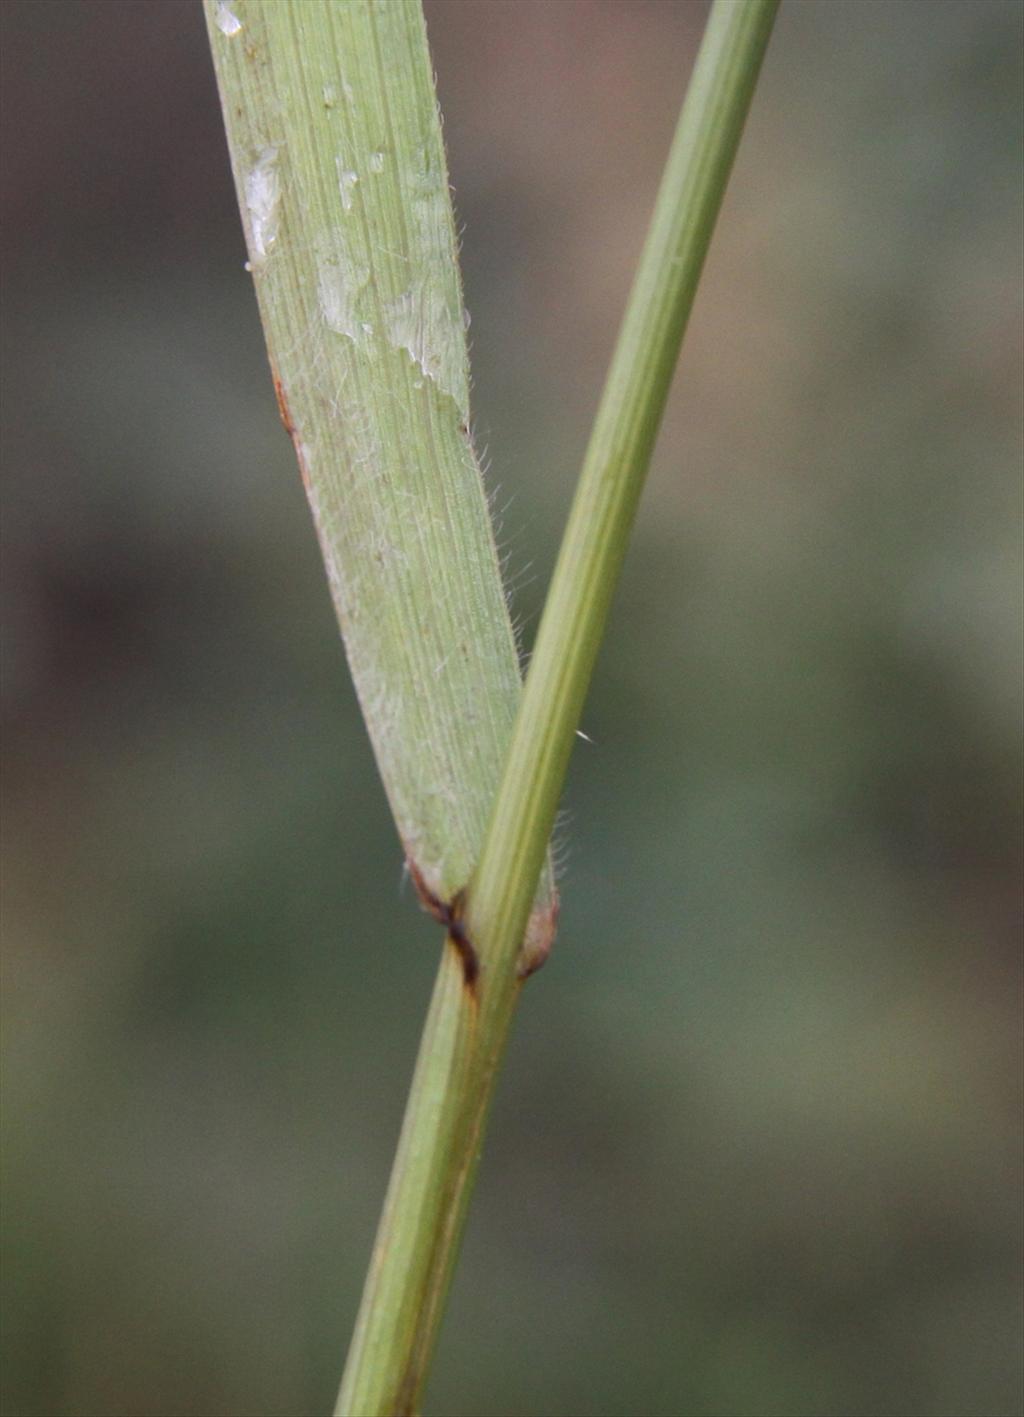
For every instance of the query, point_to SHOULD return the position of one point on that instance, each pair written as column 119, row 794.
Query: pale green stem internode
column 468, row 1022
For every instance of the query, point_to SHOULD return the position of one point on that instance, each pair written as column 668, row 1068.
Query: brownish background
column 757, row 1150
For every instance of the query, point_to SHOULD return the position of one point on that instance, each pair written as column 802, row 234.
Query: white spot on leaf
column 262, row 193
column 227, row 22
column 346, row 181
column 419, row 322
column 339, row 285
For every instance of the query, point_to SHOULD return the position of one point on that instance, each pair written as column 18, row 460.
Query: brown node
column 449, row 914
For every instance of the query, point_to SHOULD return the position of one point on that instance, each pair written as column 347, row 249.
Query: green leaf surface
column 340, row 170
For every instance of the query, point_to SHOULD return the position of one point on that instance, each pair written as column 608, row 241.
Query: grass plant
column 339, row 165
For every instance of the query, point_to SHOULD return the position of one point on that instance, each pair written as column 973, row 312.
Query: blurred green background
column 757, row 1150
